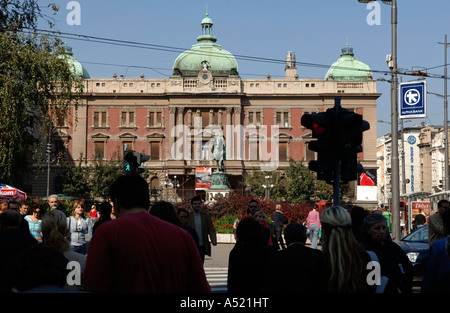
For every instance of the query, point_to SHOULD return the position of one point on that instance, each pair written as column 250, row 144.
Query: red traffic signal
column 322, row 128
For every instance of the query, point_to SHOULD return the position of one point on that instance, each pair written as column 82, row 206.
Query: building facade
column 175, row 120
column 422, row 162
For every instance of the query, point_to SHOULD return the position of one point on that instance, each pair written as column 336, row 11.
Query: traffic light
column 351, row 127
column 322, row 126
column 132, row 161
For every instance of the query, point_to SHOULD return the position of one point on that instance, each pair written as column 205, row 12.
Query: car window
column 419, row 235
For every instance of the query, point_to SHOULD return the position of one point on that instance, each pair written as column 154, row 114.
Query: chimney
column 290, row 66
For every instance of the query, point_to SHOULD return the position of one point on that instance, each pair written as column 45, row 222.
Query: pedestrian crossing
column 217, row 279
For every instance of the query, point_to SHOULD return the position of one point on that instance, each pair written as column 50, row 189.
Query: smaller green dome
column 76, row 67
column 348, row 68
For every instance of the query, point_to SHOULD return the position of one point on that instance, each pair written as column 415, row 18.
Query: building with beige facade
column 174, row 120
column 422, row 165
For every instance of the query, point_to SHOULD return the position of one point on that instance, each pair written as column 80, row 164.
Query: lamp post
column 175, row 186
column 446, row 152
column 395, row 179
column 49, row 152
column 166, row 184
column 446, row 170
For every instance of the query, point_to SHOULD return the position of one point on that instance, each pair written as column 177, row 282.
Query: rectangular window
column 309, row 155
column 278, row 118
column 254, row 151
column 258, row 118
column 96, row 119
column 250, row 118
column 155, row 148
column 131, row 119
column 103, row 123
column 286, row 119
column 205, row 118
column 282, row 151
column 99, row 149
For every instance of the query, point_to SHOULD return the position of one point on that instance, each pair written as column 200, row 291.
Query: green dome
column 76, row 67
column 205, row 54
column 348, row 68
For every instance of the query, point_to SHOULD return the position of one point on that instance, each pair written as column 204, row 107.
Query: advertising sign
column 202, row 178
column 425, row 206
column 413, row 100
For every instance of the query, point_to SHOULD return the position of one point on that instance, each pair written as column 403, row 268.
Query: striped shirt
column 35, row 228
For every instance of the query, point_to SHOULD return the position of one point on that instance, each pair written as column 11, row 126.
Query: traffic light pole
column 337, row 166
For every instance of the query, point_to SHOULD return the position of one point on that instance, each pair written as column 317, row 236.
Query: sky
column 315, row 30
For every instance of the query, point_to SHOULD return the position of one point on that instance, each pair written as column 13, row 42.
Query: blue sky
column 315, row 30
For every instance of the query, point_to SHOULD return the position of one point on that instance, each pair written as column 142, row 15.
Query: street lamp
column 175, row 186
column 447, row 184
column 267, row 186
column 49, row 152
column 395, row 179
column 446, row 152
column 167, row 183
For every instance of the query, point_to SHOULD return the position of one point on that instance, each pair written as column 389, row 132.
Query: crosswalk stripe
column 217, row 279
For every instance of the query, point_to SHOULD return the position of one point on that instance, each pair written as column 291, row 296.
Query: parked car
column 416, row 248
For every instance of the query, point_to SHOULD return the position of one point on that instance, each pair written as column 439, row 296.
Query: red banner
column 202, row 178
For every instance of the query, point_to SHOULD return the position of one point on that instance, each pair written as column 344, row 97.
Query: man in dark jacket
column 307, row 265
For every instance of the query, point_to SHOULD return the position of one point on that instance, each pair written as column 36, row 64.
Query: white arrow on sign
column 412, row 97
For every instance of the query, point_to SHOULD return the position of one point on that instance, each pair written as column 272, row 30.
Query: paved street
column 216, row 267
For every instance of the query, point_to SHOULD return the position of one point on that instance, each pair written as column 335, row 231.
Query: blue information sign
column 413, row 100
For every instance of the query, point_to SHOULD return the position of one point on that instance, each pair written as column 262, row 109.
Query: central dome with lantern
column 205, row 55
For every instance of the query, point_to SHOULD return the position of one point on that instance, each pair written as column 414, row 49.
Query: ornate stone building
column 174, row 120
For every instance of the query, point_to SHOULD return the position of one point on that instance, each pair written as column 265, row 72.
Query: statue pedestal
column 219, row 186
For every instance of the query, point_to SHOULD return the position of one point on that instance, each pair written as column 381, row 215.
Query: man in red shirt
column 140, row 253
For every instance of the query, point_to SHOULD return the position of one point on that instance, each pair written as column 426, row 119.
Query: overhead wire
column 135, row 44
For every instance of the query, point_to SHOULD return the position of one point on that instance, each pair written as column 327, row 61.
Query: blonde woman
column 346, row 260
column 80, row 227
column 54, row 233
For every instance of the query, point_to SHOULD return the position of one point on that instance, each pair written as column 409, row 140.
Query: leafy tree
column 301, row 182
column 36, row 85
column 77, row 180
column 103, row 174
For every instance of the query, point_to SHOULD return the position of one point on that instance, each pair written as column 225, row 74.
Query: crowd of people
column 357, row 254
column 129, row 246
